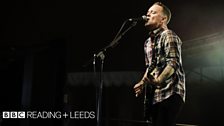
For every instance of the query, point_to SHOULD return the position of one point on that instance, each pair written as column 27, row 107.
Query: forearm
column 166, row 73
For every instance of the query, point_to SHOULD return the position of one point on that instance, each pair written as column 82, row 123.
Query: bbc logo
column 13, row 115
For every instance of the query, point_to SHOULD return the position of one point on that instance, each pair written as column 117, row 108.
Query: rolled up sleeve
column 172, row 50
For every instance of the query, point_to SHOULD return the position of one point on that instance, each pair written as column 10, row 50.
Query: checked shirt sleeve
column 172, row 49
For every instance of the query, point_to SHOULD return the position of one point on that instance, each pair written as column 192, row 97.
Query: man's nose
column 148, row 14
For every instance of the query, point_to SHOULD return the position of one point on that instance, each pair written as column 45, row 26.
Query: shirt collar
column 156, row 32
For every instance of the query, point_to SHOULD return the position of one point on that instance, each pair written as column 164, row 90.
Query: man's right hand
column 138, row 88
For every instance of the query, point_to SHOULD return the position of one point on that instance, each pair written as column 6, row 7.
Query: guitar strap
column 149, row 88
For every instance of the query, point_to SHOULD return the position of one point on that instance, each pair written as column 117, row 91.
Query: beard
column 151, row 27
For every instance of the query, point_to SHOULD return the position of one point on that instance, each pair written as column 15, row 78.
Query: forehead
column 156, row 8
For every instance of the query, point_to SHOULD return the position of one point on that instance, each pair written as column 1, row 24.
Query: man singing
column 164, row 70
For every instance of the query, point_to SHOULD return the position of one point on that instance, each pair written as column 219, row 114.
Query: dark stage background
column 47, row 47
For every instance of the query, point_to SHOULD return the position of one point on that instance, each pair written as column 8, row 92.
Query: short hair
column 166, row 10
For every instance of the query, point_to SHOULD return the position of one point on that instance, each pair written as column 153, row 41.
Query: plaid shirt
column 167, row 48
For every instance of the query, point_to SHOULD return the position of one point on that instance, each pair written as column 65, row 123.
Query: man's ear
column 164, row 19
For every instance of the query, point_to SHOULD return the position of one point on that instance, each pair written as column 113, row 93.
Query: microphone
column 142, row 18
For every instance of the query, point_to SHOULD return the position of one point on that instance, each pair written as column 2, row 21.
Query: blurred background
column 46, row 59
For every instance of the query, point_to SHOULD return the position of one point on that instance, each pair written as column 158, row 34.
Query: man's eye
column 154, row 12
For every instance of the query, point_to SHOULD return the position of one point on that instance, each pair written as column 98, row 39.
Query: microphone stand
column 101, row 55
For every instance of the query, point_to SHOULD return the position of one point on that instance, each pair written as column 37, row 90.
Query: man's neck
column 158, row 29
